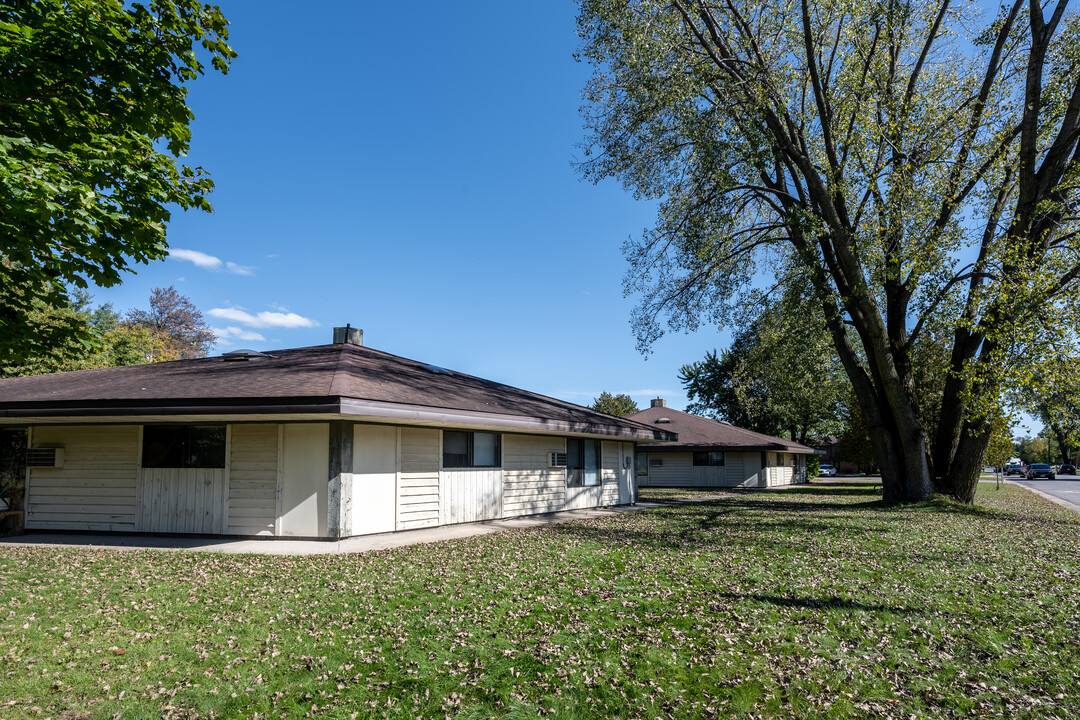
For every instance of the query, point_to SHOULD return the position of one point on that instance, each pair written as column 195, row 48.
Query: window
column 642, row 463
column 471, row 449
column 582, row 462
column 183, row 446
column 708, row 459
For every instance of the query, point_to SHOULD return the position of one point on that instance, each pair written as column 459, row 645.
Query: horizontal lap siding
column 95, row 490
column 253, row 479
column 609, row 473
column 530, row 487
column 674, row 472
column 418, row 488
column 709, row 475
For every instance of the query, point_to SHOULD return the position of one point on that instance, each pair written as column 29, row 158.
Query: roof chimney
column 348, row 335
column 659, row 402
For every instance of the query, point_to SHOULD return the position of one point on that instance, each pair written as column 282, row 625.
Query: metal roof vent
column 243, row 355
column 663, row 421
column 438, row 370
column 348, row 335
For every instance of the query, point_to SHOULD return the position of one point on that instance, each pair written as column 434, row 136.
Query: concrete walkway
column 273, row 546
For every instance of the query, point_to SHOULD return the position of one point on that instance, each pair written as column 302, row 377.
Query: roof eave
column 358, row 409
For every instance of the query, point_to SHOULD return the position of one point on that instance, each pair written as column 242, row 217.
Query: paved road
column 1066, row 487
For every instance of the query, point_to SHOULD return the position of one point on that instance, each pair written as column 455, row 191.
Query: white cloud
column 234, row 333
column 239, row 269
column 263, row 319
column 209, row 262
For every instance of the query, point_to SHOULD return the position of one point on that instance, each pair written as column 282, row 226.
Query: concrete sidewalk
column 273, row 546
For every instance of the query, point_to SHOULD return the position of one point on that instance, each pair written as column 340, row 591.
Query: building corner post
column 339, row 482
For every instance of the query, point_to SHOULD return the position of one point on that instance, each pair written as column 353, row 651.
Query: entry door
column 374, row 489
column 626, row 473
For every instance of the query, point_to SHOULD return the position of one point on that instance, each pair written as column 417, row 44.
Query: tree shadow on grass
column 809, row 603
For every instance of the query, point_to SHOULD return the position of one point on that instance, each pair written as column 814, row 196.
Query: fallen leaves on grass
column 814, row 602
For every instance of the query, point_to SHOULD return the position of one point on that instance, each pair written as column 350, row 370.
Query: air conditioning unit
column 52, row 457
column 557, row 459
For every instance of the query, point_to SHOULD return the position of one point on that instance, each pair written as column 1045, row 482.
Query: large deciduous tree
column 917, row 159
column 176, row 325
column 618, row 404
column 93, row 119
column 780, row 375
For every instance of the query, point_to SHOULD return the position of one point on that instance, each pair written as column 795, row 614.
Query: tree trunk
column 962, row 479
column 901, row 453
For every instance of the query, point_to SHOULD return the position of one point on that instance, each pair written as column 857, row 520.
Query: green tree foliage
column 172, row 328
column 1053, row 396
column 12, row 461
column 1001, row 446
column 93, row 117
column 620, row 404
column 853, row 444
column 780, row 376
column 917, row 160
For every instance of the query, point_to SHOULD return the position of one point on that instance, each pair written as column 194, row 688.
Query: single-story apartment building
column 324, row 442
column 710, row 453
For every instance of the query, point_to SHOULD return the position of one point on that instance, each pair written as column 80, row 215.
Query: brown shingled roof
column 335, row 378
column 698, row 433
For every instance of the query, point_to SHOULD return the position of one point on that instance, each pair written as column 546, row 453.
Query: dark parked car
column 1040, row 470
column 1067, row 469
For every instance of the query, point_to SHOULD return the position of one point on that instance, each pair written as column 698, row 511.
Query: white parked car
column 826, row 471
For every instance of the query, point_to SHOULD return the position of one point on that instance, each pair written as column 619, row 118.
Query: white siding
column 471, row 494
column 374, row 479
column 709, row 475
column 674, row 471
column 253, row 479
column 181, row 500
column 304, row 474
column 418, row 484
column 530, row 487
column 609, row 473
column 95, row 490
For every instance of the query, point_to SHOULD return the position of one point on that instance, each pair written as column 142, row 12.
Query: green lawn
column 814, row 601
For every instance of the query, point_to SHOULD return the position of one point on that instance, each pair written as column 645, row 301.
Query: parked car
column 826, row 471
column 1040, row 470
column 1067, row 469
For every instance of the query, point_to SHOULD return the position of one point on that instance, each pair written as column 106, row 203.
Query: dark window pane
column 575, row 453
column 206, row 448
column 183, row 446
column 455, row 448
column 642, row 463
column 708, row 459
column 163, row 446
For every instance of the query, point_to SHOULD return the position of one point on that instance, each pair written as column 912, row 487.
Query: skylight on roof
column 243, row 354
column 438, row 370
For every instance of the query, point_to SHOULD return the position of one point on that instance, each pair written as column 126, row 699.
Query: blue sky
column 409, row 170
